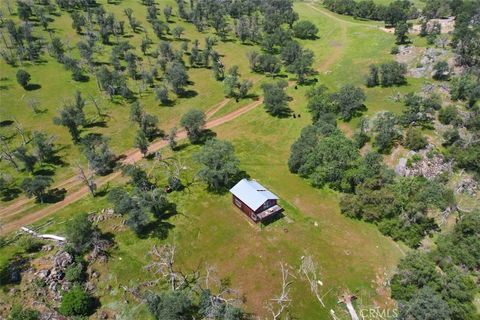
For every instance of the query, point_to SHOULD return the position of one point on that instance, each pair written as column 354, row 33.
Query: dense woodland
column 437, row 284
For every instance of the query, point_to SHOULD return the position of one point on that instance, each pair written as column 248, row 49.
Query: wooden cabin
column 255, row 200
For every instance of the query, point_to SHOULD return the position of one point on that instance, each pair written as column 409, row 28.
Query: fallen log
column 43, row 236
column 347, row 299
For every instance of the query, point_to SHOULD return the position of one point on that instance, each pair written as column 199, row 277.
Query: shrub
column 29, row 244
column 395, row 50
column 414, row 140
column 74, row 273
column 23, row 77
column 76, row 302
column 305, row 30
column 392, row 73
column 19, row 313
column 448, row 115
column 441, row 71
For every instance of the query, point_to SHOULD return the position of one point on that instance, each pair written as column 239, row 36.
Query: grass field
column 352, row 255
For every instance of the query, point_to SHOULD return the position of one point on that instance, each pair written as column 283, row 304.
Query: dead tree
column 220, row 294
column 7, row 154
column 96, row 105
column 308, row 270
column 347, row 299
column 21, row 131
column 165, row 258
column 87, row 180
column 280, row 304
column 99, row 247
column 34, row 104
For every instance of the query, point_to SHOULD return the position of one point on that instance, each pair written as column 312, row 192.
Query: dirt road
column 131, row 156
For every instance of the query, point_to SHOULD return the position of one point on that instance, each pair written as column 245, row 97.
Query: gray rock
column 401, row 167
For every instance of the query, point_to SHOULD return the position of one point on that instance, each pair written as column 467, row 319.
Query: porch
column 267, row 213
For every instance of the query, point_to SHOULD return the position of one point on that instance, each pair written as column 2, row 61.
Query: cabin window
column 237, row 202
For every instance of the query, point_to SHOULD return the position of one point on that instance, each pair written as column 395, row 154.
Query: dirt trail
column 72, row 182
column 334, row 17
column 132, row 156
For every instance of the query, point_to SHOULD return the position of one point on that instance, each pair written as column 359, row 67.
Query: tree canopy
column 219, row 164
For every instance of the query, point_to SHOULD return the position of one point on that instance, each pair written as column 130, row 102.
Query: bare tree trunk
column 21, row 132
column 347, row 299
column 280, row 304
column 95, row 104
column 6, row 154
column 87, row 180
column 308, row 269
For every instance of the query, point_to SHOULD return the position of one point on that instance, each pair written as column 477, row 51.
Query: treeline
column 271, row 24
column 322, row 154
column 400, row 206
column 395, row 12
column 440, row 284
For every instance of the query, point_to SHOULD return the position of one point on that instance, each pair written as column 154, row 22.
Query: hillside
column 124, row 123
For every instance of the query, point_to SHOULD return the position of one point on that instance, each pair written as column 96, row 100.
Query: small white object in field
column 315, row 224
column 320, row 282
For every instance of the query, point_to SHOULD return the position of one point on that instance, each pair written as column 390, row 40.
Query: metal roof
column 252, row 193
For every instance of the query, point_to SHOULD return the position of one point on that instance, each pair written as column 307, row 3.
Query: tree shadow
column 10, row 193
column 188, row 94
column 6, row 123
column 242, row 174
column 100, row 124
column 156, row 229
column 168, row 103
column 357, row 113
column 44, row 172
column 180, row 147
column 11, row 272
column 92, row 136
column 307, row 82
column 57, row 161
column 103, row 191
column 82, row 78
column 32, row 86
column 206, row 135
column 55, row 195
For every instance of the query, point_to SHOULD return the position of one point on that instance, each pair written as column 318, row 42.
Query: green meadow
column 208, row 230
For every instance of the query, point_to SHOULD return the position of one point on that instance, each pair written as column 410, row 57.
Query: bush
column 414, row 140
column 392, row 73
column 76, row 302
column 448, row 115
column 395, row 50
column 441, row 71
column 23, row 77
column 19, row 313
column 74, row 273
column 305, row 30
column 29, row 244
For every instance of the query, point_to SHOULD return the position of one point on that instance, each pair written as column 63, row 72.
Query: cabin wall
column 242, row 206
